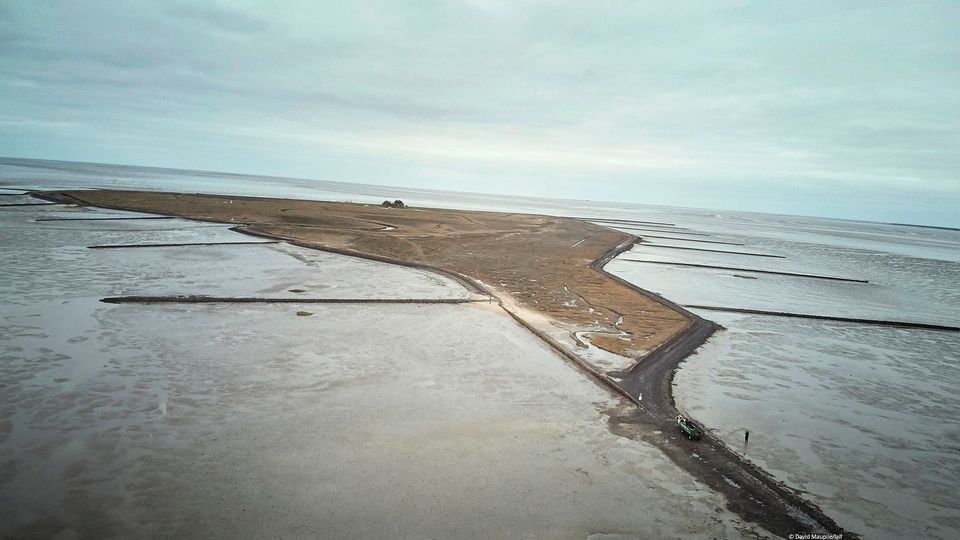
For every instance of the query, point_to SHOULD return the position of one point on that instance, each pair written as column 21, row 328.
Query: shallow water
column 900, row 288
column 849, row 413
column 255, row 421
column 38, row 254
column 861, row 418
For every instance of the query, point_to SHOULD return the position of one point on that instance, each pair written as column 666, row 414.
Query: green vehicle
column 691, row 430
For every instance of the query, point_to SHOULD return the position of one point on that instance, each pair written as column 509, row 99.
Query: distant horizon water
column 44, row 162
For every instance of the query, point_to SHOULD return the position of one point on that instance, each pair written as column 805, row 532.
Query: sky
column 837, row 109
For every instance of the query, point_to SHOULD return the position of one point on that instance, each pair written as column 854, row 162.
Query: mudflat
column 546, row 272
column 534, row 263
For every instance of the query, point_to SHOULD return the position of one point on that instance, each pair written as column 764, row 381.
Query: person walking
column 746, row 436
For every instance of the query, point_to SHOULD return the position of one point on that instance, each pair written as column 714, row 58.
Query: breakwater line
column 186, row 244
column 104, row 218
column 647, row 244
column 266, row 300
column 748, row 270
column 874, row 322
column 689, row 240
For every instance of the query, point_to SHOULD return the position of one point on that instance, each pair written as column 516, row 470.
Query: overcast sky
column 841, row 109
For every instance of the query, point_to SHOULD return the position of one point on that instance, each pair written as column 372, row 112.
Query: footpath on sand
column 547, row 273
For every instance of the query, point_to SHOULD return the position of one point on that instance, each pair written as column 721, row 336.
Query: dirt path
column 532, row 265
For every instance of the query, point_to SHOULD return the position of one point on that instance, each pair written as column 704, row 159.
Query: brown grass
column 535, row 262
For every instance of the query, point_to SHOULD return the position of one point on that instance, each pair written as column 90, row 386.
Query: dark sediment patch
column 752, row 270
column 647, row 244
column 874, row 322
column 186, row 244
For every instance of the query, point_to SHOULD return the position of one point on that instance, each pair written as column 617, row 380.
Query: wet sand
column 547, row 273
column 250, row 421
column 872, row 447
column 539, row 264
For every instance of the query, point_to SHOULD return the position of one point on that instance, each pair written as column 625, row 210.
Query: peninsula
column 547, row 273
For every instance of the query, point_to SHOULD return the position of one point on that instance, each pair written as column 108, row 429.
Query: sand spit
column 547, row 273
column 528, row 260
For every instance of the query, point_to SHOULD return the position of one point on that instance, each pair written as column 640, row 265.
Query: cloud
column 216, row 17
column 692, row 102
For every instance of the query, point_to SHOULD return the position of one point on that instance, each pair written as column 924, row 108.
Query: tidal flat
column 251, row 421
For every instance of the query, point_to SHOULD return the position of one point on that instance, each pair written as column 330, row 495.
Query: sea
column 837, row 352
